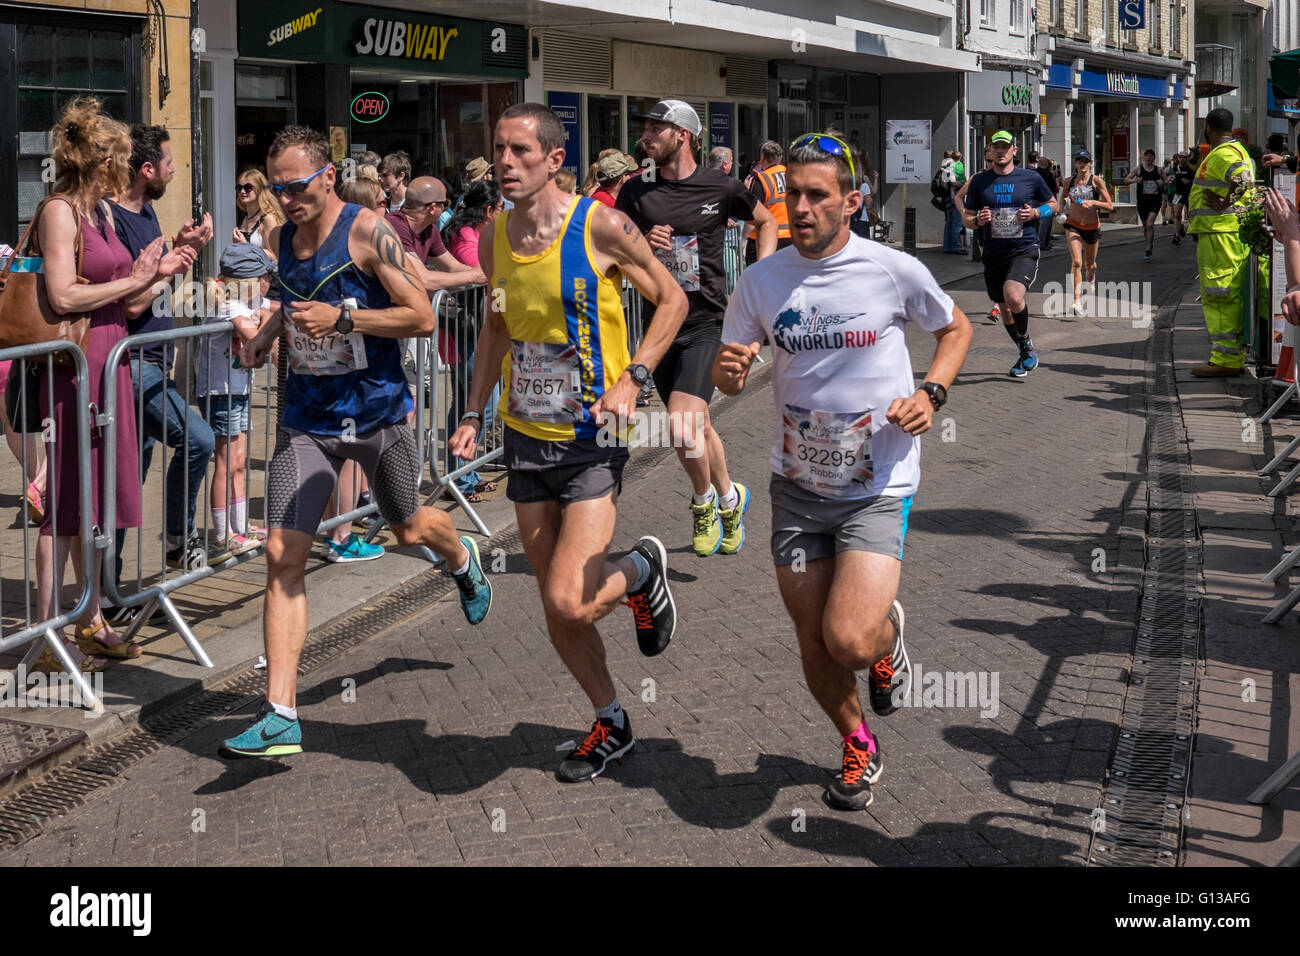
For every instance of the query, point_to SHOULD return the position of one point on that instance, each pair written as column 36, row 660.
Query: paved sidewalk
column 1249, row 707
column 434, row 742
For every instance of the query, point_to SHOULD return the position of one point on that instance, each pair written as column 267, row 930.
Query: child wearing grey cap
column 222, row 387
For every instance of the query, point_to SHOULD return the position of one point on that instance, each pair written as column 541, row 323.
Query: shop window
column 636, row 106
column 263, row 82
column 749, row 137
column 53, row 65
column 604, row 125
column 466, row 116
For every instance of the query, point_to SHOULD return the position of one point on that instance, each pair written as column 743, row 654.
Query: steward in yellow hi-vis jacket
column 1221, row 257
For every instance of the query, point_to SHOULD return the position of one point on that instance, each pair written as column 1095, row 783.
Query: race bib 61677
column 334, row 354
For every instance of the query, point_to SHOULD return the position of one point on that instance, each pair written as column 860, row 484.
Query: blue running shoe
column 354, row 550
column 475, row 591
column 270, row 736
column 1028, row 358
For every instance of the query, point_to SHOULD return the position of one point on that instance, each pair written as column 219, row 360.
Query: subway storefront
column 376, row 78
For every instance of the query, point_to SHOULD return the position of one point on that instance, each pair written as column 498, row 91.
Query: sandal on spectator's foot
column 486, row 486
column 89, row 644
column 35, row 504
column 255, row 532
column 473, row 497
column 47, row 663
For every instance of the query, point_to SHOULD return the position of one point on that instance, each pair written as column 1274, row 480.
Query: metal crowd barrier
column 449, row 356
column 152, row 584
column 35, row 624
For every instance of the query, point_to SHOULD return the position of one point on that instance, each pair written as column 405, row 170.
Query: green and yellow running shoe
column 733, row 522
column 708, row 527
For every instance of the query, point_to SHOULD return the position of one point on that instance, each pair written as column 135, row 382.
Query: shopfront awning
column 1284, row 73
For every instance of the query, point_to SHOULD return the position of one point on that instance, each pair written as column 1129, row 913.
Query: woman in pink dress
column 91, row 156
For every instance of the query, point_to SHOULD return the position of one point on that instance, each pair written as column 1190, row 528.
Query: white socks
column 288, row 713
column 730, row 499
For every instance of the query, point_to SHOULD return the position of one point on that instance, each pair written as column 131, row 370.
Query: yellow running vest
column 566, row 327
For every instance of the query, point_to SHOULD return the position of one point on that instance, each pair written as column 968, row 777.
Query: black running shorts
column 687, row 366
column 563, row 471
column 1019, row 267
column 1089, row 236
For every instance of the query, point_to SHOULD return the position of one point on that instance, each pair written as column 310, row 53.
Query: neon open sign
column 369, row 107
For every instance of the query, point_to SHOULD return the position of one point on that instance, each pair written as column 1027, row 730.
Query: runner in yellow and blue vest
column 1221, row 257
column 555, row 327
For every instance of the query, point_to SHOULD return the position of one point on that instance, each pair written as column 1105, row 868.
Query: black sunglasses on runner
column 298, row 186
column 828, row 144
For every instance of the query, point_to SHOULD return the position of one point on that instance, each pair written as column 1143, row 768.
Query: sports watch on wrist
column 640, row 374
column 344, row 325
column 938, row 394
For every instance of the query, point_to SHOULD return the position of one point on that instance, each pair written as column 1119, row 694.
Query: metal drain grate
column 1146, row 787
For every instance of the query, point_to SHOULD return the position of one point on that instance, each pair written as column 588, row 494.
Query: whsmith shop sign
column 1002, row 91
column 1114, row 83
column 364, row 36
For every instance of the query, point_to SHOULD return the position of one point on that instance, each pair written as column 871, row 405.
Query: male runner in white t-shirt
column 846, row 457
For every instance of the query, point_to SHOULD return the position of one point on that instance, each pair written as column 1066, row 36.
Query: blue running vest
column 356, row 402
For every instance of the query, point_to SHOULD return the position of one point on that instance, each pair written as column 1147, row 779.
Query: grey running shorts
column 809, row 526
column 563, row 471
column 304, row 468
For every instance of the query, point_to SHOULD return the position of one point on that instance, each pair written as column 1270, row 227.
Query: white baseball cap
column 677, row 112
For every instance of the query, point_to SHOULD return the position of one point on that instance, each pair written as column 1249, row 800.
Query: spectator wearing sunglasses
column 416, row 225
column 259, row 206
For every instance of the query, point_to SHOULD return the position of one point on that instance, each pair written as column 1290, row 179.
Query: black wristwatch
column 640, row 374
column 938, row 394
column 344, row 324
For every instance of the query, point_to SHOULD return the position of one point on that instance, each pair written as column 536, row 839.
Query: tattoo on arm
column 390, row 251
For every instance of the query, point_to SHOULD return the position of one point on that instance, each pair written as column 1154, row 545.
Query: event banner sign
column 907, row 151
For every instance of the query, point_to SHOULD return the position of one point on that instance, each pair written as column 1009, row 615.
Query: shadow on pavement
column 979, row 841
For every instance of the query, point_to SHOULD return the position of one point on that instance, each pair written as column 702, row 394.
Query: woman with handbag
column 88, row 270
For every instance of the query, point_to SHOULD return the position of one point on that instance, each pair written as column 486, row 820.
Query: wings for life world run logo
column 799, row 330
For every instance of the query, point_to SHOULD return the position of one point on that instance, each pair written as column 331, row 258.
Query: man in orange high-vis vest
column 767, row 184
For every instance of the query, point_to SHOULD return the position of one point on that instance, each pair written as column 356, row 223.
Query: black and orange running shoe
column 891, row 676
column 851, row 790
column 652, row 605
column 605, row 742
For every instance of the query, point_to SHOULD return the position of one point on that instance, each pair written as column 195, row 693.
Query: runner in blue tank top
column 346, row 295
